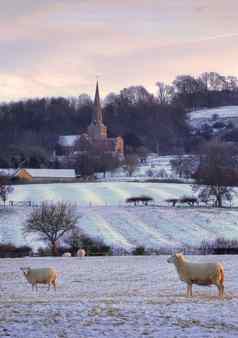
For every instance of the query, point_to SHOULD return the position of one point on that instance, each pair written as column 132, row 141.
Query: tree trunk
column 219, row 201
column 54, row 248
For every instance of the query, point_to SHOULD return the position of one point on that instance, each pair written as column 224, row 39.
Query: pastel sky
column 57, row 47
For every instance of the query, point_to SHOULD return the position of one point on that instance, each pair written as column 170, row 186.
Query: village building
column 39, row 175
column 96, row 136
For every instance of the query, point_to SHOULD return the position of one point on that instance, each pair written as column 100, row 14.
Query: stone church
column 96, row 137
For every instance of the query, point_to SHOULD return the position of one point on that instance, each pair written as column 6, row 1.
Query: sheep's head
column 25, row 270
column 175, row 258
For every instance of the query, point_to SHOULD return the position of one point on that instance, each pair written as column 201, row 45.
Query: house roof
column 50, row 173
column 68, row 140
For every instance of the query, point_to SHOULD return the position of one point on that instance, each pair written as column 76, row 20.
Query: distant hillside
column 220, row 121
column 212, row 115
column 104, row 214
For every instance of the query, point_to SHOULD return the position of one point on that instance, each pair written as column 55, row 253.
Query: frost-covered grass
column 115, row 297
column 105, row 215
column 226, row 113
column 155, row 166
column 129, row 227
column 221, row 112
column 97, row 194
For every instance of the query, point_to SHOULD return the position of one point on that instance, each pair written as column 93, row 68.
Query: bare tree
column 186, row 84
column 107, row 162
column 135, row 94
column 232, row 83
column 217, row 173
column 165, row 92
column 184, row 166
column 131, row 163
column 74, row 240
column 5, row 189
column 51, row 221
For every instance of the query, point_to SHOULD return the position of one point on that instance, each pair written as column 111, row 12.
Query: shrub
column 173, row 201
column 73, row 241
column 139, row 251
column 44, row 252
column 143, row 199
column 220, row 246
column 11, row 251
column 189, row 200
column 95, row 247
column 218, row 125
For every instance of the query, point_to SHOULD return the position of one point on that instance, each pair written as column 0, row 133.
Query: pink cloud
column 57, row 47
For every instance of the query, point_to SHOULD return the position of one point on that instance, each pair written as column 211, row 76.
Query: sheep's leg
column 54, row 284
column 34, row 286
column 189, row 290
column 220, row 289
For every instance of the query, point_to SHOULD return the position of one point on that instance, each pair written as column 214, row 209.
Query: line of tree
column 214, row 170
column 29, row 129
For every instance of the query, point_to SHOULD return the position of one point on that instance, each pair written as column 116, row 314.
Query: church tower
column 96, row 129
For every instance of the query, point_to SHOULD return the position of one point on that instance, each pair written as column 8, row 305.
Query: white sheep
column 67, row 254
column 81, row 253
column 198, row 273
column 40, row 276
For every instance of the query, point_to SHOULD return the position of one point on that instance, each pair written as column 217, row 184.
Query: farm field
column 97, row 194
column 105, row 215
column 225, row 114
column 115, row 297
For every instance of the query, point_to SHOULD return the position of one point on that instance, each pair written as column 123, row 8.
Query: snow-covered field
column 226, row 113
column 221, row 112
column 105, row 215
column 115, row 297
column 128, row 227
column 154, row 167
column 97, row 194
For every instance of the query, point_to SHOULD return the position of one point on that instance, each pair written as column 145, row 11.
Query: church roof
column 68, row 140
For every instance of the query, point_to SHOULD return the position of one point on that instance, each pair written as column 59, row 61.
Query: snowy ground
column 128, row 227
column 221, row 112
column 154, row 167
column 209, row 116
column 97, row 194
column 104, row 214
column 115, row 297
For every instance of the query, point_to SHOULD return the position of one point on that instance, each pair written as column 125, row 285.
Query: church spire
column 97, row 106
column 96, row 129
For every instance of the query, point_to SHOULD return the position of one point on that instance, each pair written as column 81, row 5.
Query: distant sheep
column 67, row 254
column 198, row 273
column 40, row 276
column 81, row 253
